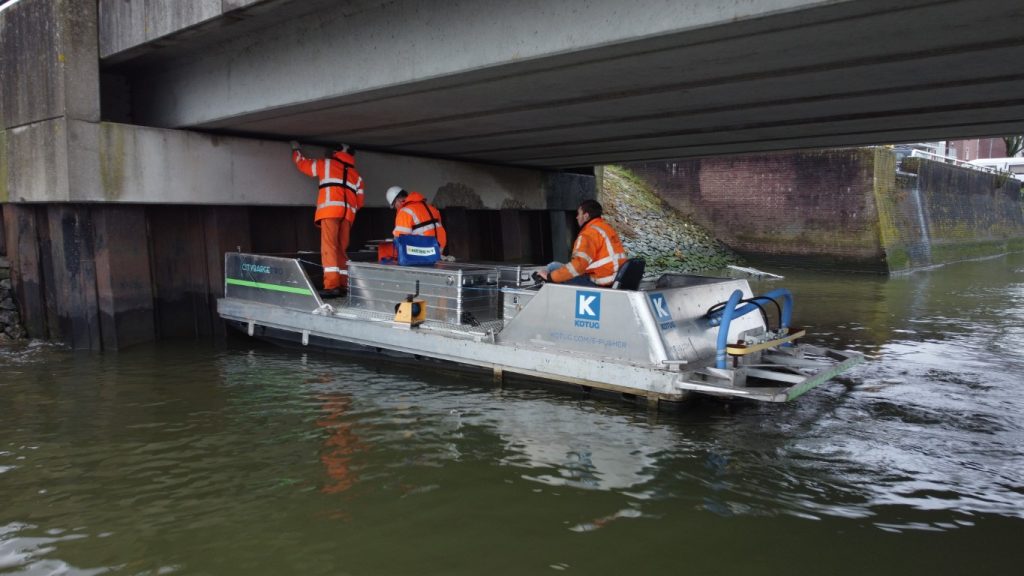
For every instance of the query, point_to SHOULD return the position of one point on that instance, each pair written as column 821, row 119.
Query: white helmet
column 393, row 193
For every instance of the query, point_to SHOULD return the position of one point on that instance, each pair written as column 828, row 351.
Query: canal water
column 249, row 459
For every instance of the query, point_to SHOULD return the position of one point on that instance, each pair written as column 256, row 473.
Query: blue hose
column 723, row 329
column 730, row 311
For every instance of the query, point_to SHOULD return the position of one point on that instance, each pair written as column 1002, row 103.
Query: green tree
column 1014, row 144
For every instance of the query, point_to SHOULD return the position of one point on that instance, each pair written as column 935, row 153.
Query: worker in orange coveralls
column 340, row 197
column 413, row 215
column 597, row 253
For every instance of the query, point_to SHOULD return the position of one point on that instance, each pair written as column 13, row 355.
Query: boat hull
column 659, row 343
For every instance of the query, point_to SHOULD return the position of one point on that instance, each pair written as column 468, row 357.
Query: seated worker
column 414, row 216
column 597, row 253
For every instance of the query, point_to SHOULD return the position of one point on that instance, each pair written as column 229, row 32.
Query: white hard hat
column 393, row 193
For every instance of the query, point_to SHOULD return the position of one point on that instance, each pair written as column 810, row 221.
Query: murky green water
column 248, row 459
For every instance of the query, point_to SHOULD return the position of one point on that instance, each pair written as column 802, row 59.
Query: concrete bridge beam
column 564, row 84
column 69, row 160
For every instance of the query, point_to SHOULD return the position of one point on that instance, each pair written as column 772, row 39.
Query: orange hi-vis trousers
column 333, row 247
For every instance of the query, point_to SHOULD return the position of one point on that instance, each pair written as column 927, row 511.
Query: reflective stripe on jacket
column 598, row 253
column 341, row 186
column 417, row 217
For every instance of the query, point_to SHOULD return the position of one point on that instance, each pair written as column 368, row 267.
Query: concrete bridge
column 155, row 122
column 577, row 83
column 538, row 84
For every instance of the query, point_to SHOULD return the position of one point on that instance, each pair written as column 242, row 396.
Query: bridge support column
column 123, row 284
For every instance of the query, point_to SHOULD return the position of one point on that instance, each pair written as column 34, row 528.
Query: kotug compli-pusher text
column 664, row 340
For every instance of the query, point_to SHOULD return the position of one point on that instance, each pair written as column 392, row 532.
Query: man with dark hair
column 340, row 196
column 597, row 253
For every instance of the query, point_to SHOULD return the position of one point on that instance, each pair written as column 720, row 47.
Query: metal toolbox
column 455, row 293
column 512, row 275
column 513, row 300
column 516, row 275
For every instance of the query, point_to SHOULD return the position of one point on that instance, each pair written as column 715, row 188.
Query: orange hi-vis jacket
column 597, row 253
column 341, row 186
column 417, row 217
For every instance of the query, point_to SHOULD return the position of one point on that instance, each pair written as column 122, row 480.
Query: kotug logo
column 588, row 309
column 660, row 306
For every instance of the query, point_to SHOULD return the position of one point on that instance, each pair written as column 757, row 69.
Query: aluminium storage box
column 513, row 300
column 455, row 293
column 516, row 275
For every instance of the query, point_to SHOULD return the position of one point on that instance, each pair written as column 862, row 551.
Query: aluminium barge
column 665, row 341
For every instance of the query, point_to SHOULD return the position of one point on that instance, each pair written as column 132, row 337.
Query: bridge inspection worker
column 597, row 253
column 340, row 196
column 414, row 216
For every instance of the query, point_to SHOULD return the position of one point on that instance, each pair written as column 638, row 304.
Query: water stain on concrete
column 457, row 195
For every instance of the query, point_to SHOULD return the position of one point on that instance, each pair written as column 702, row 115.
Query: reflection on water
column 252, row 459
column 340, row 443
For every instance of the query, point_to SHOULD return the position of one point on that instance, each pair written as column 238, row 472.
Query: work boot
column 333, row 293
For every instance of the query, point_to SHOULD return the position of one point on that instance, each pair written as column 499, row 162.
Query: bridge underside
column 561, row 85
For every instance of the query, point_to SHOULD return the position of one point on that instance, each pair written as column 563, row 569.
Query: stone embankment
column 10, row 323
column 653, row 230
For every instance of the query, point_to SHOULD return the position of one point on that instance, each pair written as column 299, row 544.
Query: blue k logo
column 588, row 305
column 660, row 307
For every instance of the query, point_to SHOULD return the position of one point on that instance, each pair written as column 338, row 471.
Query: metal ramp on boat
column 680, row 336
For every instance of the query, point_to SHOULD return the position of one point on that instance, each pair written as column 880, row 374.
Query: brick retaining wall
column 844, row 208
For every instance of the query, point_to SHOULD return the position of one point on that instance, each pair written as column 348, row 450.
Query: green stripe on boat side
column 274, row 287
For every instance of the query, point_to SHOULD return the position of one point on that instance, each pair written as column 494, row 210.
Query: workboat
column 662, row 340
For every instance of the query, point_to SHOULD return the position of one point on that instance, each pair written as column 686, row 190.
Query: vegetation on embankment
column 653, row 230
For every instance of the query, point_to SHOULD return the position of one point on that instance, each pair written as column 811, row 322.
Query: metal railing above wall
column 965, row 164
column 953, row 161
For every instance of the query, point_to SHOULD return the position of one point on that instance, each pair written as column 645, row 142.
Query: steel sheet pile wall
column 107, row 276
column 110, row 276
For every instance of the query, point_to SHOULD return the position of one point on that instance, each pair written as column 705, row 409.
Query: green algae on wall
column 112, row 160
column 956, row 252
column 888, row 223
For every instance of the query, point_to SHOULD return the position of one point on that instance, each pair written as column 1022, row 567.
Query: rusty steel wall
column 109, row 276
